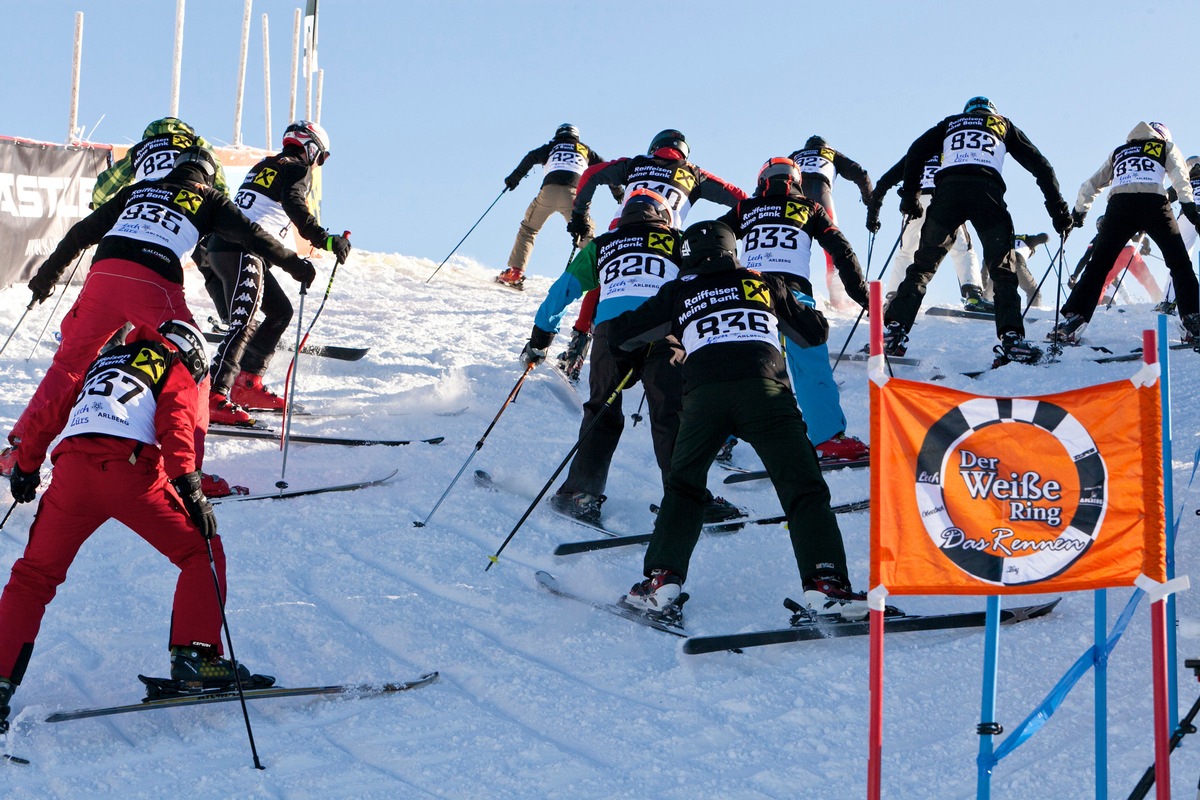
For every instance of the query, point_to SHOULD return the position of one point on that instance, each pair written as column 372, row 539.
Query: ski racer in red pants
column 142, row 234
column 128, row 455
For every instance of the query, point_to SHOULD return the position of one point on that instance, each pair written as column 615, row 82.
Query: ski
column 325, row 351
column 484, row 480
column 962, row 313
column 307, row 438
column 572, row 548
column 672, row 623
column 828, row 629
column 742, row 475
column 225, row 696
column 284, row 494
column 1136, row 355
column 904, row 361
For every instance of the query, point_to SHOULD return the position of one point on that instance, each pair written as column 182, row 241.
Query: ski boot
column 655, row 594
column 199, row 668
column 216, row 486
column 223, row 412
column 725, row 454
column 570, row 361
column 249, row 393
column 973, row 300
column 1069, row 331
column 6, row 692
column 718, row 509
column 842, row 448
column 1013, row 348
column 513, row 278
column 1191, row 330
column 829, row 593
column 895, row 340
column 580, row 505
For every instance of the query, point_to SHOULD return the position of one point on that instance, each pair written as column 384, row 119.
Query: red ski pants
column 93, row 483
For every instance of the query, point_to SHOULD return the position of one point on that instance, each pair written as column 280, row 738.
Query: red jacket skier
column 129, row 455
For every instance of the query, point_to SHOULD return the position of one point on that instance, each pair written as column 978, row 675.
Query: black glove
column 535, row 349
column 1077, row 218
column 195, row 503
column 24, row 485
column 339, row 246
column 512, row 181
column 873, row 218
column 911, row 207
column 580, row 228
column 41, row 285
column 1146, row 246
column 301, row 269
column 1060, row 217
column 1189, row 211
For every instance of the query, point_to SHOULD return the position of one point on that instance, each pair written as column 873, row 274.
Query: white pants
column 962, row 251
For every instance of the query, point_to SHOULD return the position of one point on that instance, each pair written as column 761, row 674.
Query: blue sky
column 429, row 105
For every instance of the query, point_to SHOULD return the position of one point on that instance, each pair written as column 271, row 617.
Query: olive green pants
column 762, row 413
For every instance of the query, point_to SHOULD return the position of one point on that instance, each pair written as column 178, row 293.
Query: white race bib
column 118, row 401
column 777, row 248
column 567, row 157
column 733, row 325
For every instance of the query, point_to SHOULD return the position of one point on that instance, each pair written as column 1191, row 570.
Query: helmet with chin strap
column 779, row 169
column 190, row 343
column 310, row 137
column 669, row 138
column 201, row 158
column 566, row 131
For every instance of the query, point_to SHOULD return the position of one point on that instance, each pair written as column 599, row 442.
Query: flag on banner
column 1020, row 495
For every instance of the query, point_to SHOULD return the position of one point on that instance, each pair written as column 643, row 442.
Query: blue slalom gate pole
column 987, row 706
column 1164, row 386
column 1100, row 655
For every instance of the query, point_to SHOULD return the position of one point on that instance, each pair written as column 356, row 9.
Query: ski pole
column 287, row 395
column 24, row 314
column 290, row 392
column 54, row 310
column 237, row 675
column 1054, row 259
column 478, row 445
column 1186, row 726
column 11, row 509
column 882, row 270
column 637, row 415
column 492, row 559
column 468, row 233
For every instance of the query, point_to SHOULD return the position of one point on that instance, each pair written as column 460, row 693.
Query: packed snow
column 541, row 697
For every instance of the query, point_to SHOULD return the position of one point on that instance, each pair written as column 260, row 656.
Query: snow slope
column 540, row 697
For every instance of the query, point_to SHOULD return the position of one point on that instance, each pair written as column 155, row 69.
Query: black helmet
column 566, row 131
column 645, row 205
column 669, row 138
column 190, row 344
column 706, row 240
column 814, row 142
column 779, row 169
column 979, row 104
column 200, row 158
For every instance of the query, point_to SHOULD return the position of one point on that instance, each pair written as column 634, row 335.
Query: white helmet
column 1161, row 130
column 190, row 343
column 310, row 136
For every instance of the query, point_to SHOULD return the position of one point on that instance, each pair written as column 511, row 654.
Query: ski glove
column 511, row 182
column 534, row 351
column 301, row 269
column 910, row 207
column 339, row 246
column 873, row 219
column 24, row 485
column 1077, row 218
column 1189, row 211
column 42, row 286
column 580, row 228
column 195, row 503
column 1062, row 219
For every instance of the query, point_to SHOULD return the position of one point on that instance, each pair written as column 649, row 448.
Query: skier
column 275, row 196
column 736, row 382
column 152, row 158
column 665, row 170
column 136, row 274
column 1137, row 202
column 969, row 188
column 777, row 227
column 1187, row 230
column 128, row 455
column 563, row 160
column 820, row 165
column 627, row 265
column 1024, row 245
column 971, row 282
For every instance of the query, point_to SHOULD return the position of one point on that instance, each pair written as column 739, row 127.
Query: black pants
column 1126, row 215
column 763, row 413
column 660, row 374
column 250, row 344
column 980, row 201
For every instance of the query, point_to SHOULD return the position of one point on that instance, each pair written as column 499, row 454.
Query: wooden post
column 73, row 117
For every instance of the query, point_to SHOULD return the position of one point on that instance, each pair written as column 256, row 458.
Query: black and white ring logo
column 1001, row 556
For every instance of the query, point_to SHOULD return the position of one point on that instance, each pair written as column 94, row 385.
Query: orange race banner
column 1015, row 495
